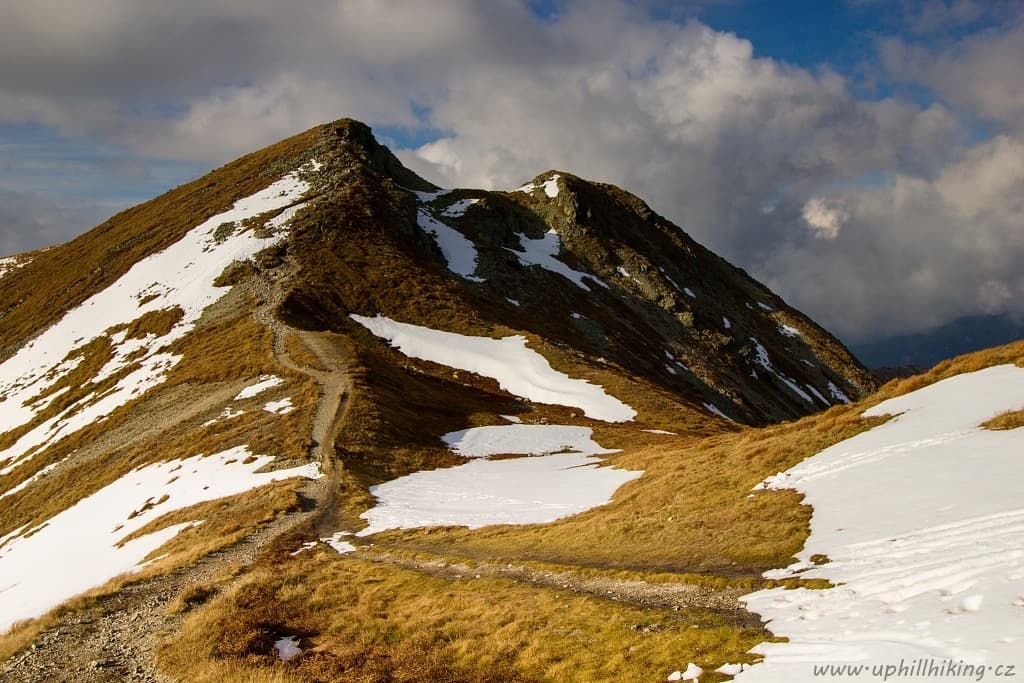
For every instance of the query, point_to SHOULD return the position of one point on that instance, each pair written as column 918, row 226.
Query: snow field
column 528, row 490
column 76, row 549
column 517, row 368
column 923, row 524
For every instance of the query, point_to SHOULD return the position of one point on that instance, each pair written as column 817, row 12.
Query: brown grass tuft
column 1011, row 419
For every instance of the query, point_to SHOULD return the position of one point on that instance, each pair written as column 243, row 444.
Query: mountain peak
column 347, row 141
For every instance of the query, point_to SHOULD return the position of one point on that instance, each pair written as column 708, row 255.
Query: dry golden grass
column 1011, row 419
column 359, row 621
column 157, row 323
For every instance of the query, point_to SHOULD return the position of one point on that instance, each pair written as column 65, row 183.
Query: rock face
column 588, row 267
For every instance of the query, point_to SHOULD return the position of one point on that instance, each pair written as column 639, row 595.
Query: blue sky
column 858, row 156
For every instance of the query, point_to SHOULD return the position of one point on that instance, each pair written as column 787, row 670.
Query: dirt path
column 657, row 595
column 115, row 638
column 330, row 352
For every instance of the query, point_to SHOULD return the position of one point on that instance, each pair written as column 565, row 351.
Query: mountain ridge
column 319, row 324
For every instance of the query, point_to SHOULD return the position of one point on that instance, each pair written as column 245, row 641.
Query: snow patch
column 550, row 187
column 689, row 292
column 480, row 442
column 484, row 492
column 817, row 395
column 282, row 407
column 226, row 415
column 714, row 409
column 459, row 208
column 543, row 252
column 308, row 545
column 517, row 368
column 658, row 431
column 789, row 331
column 11, row 263
column 762, row 359
column 732, row 669
column 725, row 323
column 459, row 253
column 837, row 393
column 287, row 648
column 263, row 383
column 692, row 673
column 340, row 546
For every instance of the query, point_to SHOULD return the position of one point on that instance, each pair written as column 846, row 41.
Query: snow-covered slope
column 34, row 562
column 83, row 546
column 922, row 523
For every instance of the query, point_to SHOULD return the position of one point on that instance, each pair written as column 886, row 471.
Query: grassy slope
column 379, row 621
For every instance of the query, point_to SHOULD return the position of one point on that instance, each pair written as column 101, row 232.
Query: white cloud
column 825, row 218
column 979, row 74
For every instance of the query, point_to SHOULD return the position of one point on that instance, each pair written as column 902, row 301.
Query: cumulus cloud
column 979, row 74
column 886, row 214
column 825, row 218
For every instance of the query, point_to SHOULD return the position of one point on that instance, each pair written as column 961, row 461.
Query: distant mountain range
column 924, row 349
